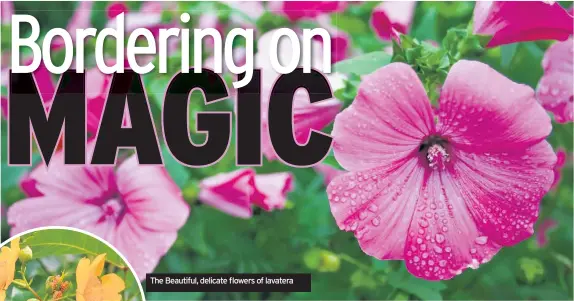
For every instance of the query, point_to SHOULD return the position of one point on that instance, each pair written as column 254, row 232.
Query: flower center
column 113, row 209
column 434, row 149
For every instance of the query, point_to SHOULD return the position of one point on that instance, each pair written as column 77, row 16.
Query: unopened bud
column 25, row 254
column 330, row 262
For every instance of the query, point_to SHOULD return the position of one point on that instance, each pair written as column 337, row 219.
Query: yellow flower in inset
column 8, row 258
column 92, row 287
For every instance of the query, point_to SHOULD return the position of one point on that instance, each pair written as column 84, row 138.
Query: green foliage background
column 304, row 237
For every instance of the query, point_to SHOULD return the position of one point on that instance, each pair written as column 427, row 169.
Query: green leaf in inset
column 63, row 242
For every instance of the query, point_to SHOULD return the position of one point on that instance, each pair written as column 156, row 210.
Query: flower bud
column 330, row 262
column 25, row 254
column 33, row 299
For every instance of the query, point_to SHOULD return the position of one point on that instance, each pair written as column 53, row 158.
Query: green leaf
column 331, row 161
column 426, row 290
column 176, row 170
column 364, row 64
column 361, row 279
column 63, row 242
column 351, row 25
column 427, row 29
column 507, row 54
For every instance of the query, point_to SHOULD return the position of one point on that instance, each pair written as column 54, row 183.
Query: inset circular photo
column 64, row 264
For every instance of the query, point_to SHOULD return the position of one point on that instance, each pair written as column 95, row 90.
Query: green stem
column 28, row 287
column 357, row 263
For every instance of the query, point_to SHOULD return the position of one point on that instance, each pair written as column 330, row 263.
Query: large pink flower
column 514, row 21
column 236, row 192
column 391, row 18
column 306, row 116
column 555, row 89
column 296, row 10
column 442, row 192
column 138, row 209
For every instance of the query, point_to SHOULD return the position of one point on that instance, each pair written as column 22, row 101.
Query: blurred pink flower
column 328, row 172
column 555, row 89
column 149, row 16
column 542, row 232
column 441, row 195
column 391, row 18
column 97, row 87
column 7, row 9
column 252, row 9
column 235, row 192
column 306, row 116
column 561, row 158
column 44, row 82
column 340, row 41
column 296, row 10
column 512, row 21
column 138, row 209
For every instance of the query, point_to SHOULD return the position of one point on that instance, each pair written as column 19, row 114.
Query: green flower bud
column 33, row 299
column 25, row 254
column 330, row 262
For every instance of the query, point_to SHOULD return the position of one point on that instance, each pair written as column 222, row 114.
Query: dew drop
column 481, row 240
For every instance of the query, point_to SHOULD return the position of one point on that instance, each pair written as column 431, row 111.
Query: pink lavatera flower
column 306, row 116
column 236, row 192
column 443, row 191
column 391, row 18
column 555, row 90
column 297, row 10
column 328, row 172
column 512, row 21
column 543, row 231
column 561, row 158
column 136, row 208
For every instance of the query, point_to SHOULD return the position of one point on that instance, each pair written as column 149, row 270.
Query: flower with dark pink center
column 442, row 191
column 138, row 209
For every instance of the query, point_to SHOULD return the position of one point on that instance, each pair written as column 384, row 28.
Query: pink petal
column 510, row 21
column 296, row 10
column 505, row 188
column 28, row 186
column 116, row 8
column 506, row 116
column 386, row 122
column 151, row 196
column 328, row 172
column 561, row 158
column 142, row 248
column 96, row 94
column 555, row 90
column 229, row 192
column 50, row 210
column 443, row 238
column 542, row 232
column 7, row 9
column 377, row 205
column 392, row 17
column 272, row 190
column 306, row 117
